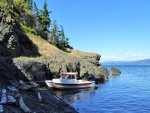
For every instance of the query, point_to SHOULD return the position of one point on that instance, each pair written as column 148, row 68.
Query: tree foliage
column 29, row 3
column 63, row 40
column 35, row 10
column 26, row 11
column 54, row 32
column 44, row 17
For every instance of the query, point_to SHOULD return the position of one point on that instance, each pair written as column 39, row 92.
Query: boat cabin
column 68, row 75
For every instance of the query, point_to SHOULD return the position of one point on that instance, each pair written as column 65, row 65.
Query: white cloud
column 130, row 56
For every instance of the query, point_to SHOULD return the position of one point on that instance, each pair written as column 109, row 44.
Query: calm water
column 126, row 93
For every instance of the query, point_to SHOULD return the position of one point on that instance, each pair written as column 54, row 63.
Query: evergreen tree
column 36, row 16
column 63, row 40
column 54, row 33
column 29, row 4
column 44, row 17
column 35, row 10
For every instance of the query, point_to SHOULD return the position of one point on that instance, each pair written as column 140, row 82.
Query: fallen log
column 11, row 88
column 4, row 98
column 24, row 86
column 14, row 84
column 34, row 85
column 23, row 106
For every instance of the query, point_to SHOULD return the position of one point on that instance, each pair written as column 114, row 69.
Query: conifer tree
column 63, row 40
column 29, row 4
column 44, row 17
column 36, row 16
column 35, row 10
column 54, row 33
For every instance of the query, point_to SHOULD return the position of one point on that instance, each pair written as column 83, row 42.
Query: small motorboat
column 68, row 80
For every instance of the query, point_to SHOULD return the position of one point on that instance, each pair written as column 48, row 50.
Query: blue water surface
column 128, row 92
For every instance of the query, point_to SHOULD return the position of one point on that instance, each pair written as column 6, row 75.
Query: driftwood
column 23, row 106
column 4, row 98
column 17, row 96
column 29, row 83
column 24, row 85
column 11, row 88
column 39, row 97
column 11, row 99
column 4, row 91
column 1, row 108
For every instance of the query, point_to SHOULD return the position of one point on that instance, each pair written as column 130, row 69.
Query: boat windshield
column 67, row 77
column 63, row 77
column 70, row 77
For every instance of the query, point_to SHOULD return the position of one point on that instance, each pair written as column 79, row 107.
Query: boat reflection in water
column 72, row 95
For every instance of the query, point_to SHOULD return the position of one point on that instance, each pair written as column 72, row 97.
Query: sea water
column 128, row 92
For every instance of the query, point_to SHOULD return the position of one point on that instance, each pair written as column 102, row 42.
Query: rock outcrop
column 44, row 67
column 90, row 57
column 13, row 41
column 115, row 71
column 9, row 70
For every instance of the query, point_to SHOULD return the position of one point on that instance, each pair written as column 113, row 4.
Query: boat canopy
column 67, row 73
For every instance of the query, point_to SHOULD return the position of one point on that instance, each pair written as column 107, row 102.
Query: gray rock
column 13, row 41
column 9, row 70
column 32, row 69
column 115, row 71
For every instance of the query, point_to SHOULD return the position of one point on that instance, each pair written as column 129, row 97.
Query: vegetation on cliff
column 35, row 21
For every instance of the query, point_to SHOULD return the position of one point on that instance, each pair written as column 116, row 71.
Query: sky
column 115, row 29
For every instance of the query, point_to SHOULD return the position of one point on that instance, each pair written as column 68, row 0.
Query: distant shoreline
column 138, row 62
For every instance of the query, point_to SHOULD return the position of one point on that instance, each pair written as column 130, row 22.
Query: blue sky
column 116, row 29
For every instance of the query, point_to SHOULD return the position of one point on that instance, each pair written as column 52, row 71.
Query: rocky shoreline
column 49, row 104
column 31, row 70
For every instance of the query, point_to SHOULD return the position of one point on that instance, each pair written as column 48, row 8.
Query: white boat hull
column 59, row 84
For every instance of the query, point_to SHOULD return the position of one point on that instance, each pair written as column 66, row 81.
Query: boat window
column 63, row 76
column 73, row 77
column 69, row 77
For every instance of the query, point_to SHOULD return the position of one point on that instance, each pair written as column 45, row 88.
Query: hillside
column 76, row 61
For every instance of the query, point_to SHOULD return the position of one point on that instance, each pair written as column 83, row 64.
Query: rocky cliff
column 41, row 60
column 13, row 41
column 53, row 61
